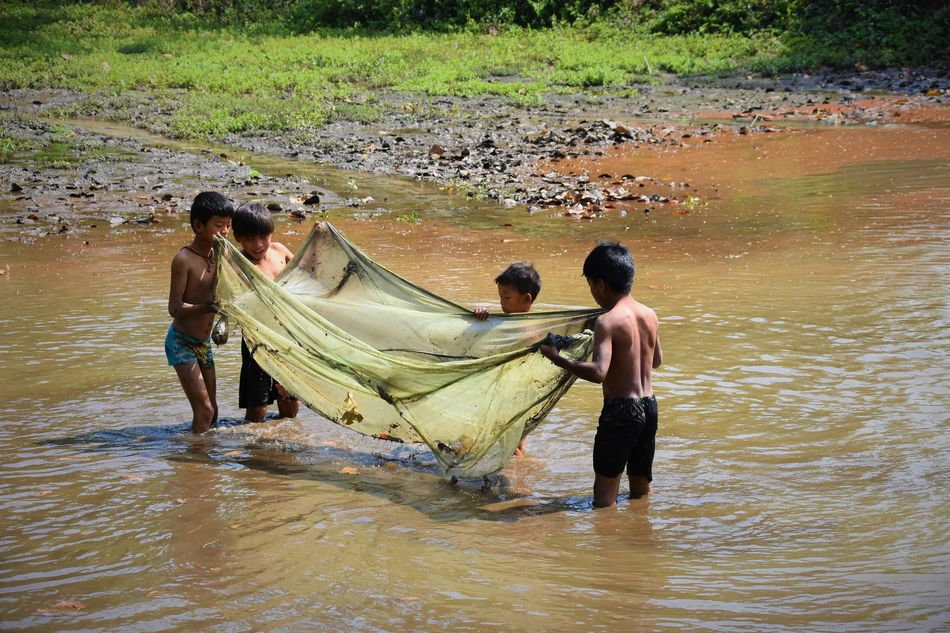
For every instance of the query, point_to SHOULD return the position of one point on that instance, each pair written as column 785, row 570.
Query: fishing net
column 372, row 351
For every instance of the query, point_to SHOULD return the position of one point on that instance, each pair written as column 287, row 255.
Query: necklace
column 208, row 258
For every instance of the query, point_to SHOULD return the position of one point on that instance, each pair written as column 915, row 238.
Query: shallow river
column 803, row 461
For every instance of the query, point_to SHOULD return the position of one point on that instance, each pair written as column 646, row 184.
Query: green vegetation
column 410, row 218
column 11, row 145
column 234, row 66
column 52, row 146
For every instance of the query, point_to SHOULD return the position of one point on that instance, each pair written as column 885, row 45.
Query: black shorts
column 626, row 437
column 257, row 388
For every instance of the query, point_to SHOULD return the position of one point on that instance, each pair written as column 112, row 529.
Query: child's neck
column 613, row 300
column 252, row 259
column 201, row 244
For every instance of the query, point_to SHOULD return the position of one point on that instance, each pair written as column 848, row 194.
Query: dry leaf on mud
column 233, row 453
column 180, row 500
column 349, row 470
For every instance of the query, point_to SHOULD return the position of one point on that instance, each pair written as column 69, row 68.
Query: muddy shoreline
column 59, row 179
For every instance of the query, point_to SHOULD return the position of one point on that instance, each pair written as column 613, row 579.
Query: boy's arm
column 594, row 370
column 177, row 308
column 657, row 354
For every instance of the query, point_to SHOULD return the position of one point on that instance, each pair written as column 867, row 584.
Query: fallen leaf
column 132, row 477
column 235, row 526
column 59, row 607
column 349, row 470
column 233, row 453
column 180, row 500
column 43, row 493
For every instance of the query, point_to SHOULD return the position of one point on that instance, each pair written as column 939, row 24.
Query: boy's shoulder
column 280, row 248
column 627, row 310
column 184, row 256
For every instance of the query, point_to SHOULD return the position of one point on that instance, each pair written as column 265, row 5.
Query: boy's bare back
column 626, row 351
column 630, row 329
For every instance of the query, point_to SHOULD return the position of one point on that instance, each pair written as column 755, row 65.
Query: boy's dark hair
column 252, row 219
column 207, row 204
column 522, row 276
column 612, row 262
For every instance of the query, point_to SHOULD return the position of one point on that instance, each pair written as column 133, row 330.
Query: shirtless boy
column 626, row 351
column 188, row 342
column 518, row 287
column 253, row 228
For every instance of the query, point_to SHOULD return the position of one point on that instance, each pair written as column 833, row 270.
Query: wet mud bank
column 58, row 178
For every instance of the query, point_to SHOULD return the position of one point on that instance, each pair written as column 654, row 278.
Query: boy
column 518, row 287
column 188, row 342
column 253, row 228
column 626, row 351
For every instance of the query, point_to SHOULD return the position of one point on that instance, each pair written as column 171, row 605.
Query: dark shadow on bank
column 408, row 475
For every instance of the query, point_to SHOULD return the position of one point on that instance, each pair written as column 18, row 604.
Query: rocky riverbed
column 57, row 178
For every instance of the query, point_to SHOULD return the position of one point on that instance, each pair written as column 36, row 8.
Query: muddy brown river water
column 803, row 461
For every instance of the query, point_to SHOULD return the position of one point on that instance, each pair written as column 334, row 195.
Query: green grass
column 215, row 81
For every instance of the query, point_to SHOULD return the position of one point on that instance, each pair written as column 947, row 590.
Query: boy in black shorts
column 626, row 351
column 253, row 228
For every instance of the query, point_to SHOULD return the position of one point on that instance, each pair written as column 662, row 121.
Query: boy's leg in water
column 519, row 451
column 639, row 486
column 211, row 385
column 193, row 383
column 606, row 490
column 287, row 407
column 255, row 414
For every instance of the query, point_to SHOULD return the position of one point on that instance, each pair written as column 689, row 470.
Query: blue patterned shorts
column 182, row 349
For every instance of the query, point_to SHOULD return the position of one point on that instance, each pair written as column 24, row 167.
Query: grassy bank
column 213, row 76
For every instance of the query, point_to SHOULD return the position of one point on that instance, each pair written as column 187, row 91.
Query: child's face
column 256, row 246
column 598, row 289
column 217, row 225
column 514, row 301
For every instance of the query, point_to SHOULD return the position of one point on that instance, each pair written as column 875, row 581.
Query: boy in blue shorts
column 188, row 341
column 626, row 351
